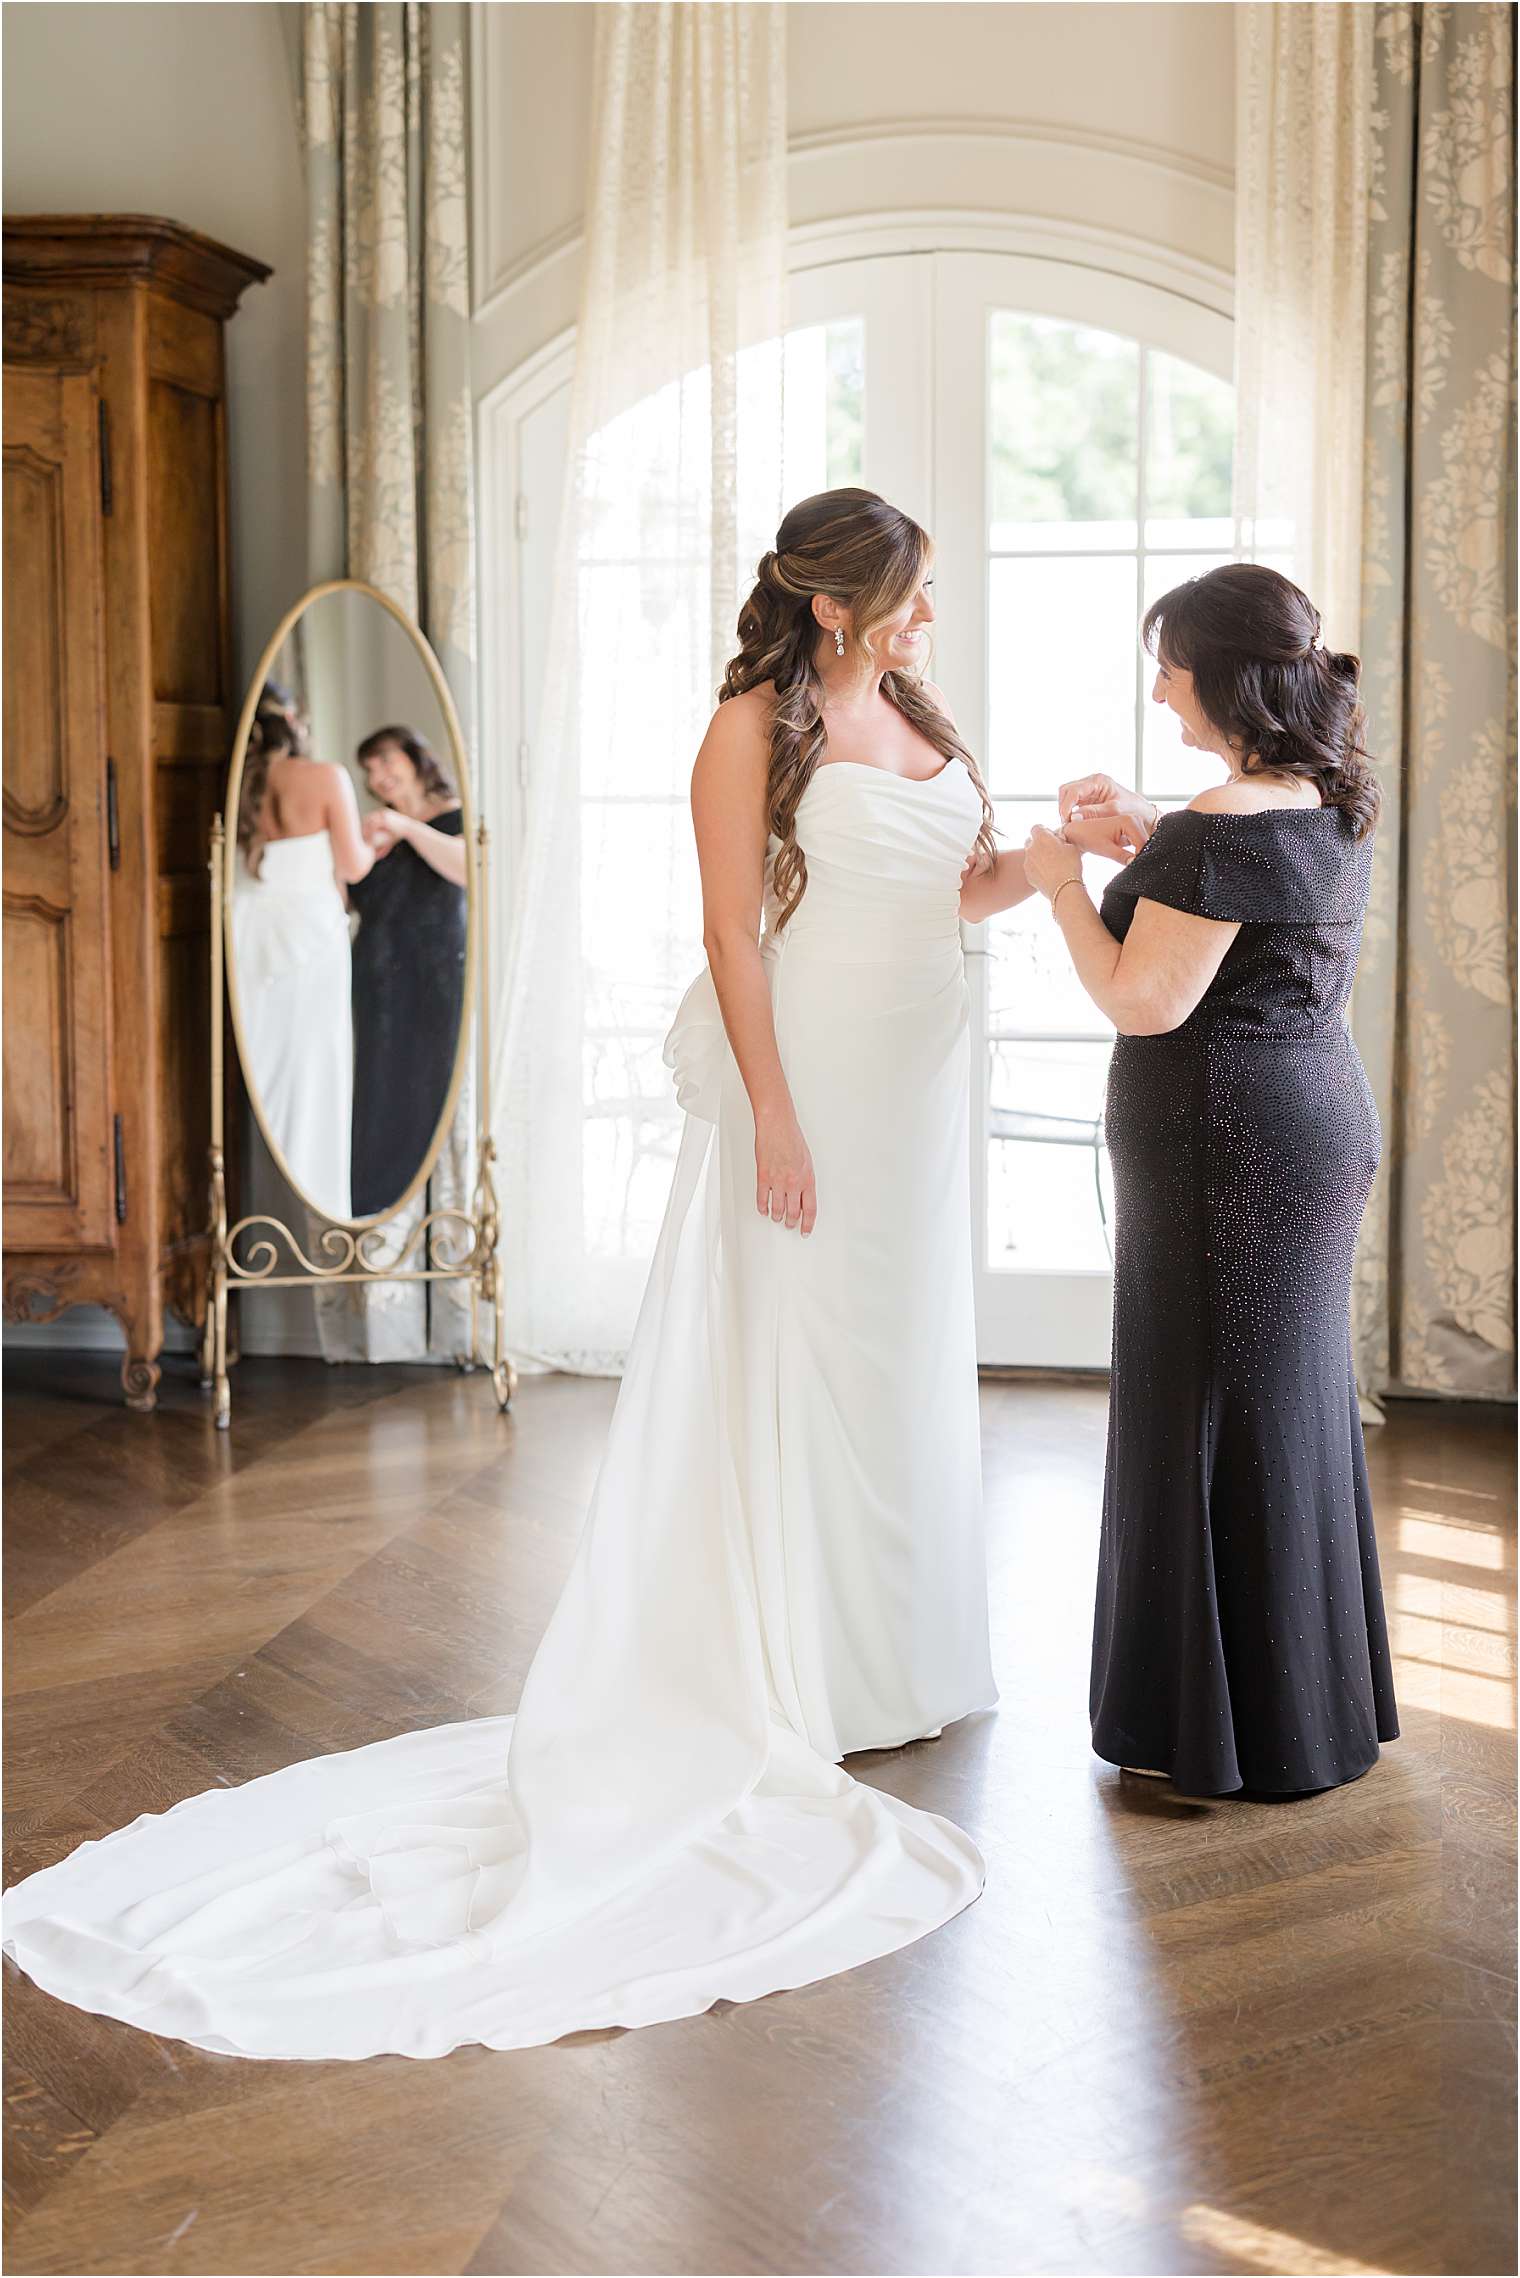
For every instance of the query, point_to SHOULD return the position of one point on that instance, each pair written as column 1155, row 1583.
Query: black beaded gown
column 1239, row 1638
column 408, row 992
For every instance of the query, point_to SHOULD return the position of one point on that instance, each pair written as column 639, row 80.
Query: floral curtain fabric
column 390, row 428
column 1434, row 1010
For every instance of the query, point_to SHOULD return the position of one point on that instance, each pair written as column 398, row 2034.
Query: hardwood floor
column 1172, row 2037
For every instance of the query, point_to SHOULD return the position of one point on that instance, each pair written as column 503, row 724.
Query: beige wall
column 1112, row 118
column 188, row 112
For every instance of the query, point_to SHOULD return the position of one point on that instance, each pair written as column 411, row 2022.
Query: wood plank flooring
column 1172, row 2037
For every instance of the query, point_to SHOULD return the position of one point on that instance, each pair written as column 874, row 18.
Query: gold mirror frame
column 246, row 1254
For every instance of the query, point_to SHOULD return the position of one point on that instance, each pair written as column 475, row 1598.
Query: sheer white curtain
column 1302, row 181
column 674, row 489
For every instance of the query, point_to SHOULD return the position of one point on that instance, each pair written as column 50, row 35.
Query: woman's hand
column 785, row 1191
column 1049, row 862
column 384, row 828
column 1105, row 817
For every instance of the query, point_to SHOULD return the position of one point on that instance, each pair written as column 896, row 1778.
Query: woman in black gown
column 408, row 965
column 1239, row 1640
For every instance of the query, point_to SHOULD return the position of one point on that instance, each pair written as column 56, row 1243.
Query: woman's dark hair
column 1289, row 705
column 430, row 773
column 278, row 731
column 853, row 546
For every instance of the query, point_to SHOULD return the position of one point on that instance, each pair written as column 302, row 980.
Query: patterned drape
column 1434, row 1010
column 390, row 426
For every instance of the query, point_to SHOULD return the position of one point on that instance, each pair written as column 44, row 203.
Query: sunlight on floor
column 1455, row 1692
column 1452, row 1643
column 1274, row 2251
column 1452, row 1632
column 1425, row 1534
column 1468, row 1605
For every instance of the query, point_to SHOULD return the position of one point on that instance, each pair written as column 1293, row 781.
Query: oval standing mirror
column 348, row 892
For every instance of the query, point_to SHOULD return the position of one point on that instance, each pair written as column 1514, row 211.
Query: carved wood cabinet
column 118, row 712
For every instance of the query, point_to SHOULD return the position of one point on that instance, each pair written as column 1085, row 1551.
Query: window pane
column 846, row 374
column 636, row 512
column 825, row 406
column 1032, row 984
column 1045, row 1159
column 641, row 914
column 1061, row 677
column 1206, row 535
column 1170, row 768
column 1064, row 421
column 639, row 750
column 1190, row 439
column 629, row 1142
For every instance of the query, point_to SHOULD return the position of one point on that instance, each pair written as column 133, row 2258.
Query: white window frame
column 923, row 282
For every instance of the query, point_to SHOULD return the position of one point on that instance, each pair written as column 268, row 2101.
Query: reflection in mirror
column 349, row 912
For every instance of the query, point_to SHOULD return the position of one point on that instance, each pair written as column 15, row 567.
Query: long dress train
column 783, row 1561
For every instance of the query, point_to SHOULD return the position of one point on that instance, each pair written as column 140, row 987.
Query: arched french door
column 1066, row 434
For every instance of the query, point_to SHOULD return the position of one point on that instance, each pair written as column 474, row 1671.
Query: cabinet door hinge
column 113, row 817
column 522, row 764
column 105, row 458
column 121, row 1171
column 520, row 517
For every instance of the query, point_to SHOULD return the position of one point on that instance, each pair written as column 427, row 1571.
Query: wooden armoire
column 118, row 712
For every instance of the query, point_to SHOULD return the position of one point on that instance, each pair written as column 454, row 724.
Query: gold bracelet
column 1060, row 890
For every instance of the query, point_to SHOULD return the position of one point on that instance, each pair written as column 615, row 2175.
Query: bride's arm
column 730, row 812
column 986, row 887
column 1002, row 885
column 353, row 858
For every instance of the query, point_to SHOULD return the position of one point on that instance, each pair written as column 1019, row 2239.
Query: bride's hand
column 1049, row 862
column 785, row 1190
column 1113, row 833
column 383, row 828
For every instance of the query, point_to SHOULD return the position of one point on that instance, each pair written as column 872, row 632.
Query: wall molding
column 495, row 293
column 1019, row 133
column 1035, row 237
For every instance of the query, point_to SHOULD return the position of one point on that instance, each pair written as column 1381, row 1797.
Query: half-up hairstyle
column 278, row 732
column 863, row 553
column 1263, row 677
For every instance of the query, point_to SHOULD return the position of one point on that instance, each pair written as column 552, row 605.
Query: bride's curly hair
column 854, row 547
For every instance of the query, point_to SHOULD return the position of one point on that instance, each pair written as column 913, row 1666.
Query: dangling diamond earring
column 839, row 640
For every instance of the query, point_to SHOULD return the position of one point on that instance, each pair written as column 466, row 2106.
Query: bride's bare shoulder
column 938, row 699
column 754, row 707
column 740, row 728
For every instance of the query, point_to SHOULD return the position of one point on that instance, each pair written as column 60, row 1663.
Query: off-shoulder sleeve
column 1289, row 866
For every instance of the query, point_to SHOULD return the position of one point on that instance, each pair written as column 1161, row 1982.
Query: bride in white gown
column 783, row 1561
column 298, row 836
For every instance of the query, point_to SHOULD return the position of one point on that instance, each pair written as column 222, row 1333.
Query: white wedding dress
column 783, row 1562
column 294, row 978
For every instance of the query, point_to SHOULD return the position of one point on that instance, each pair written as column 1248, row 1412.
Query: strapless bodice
column 295, row 866
column 884, row 858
